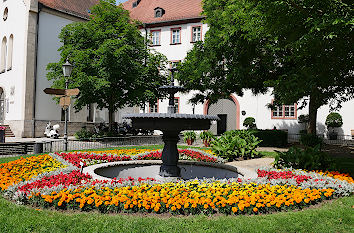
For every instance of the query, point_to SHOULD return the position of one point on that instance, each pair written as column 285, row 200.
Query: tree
column 112, row 65
column 302, row 49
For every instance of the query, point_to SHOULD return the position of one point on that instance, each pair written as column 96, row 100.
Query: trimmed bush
column 236, row 144
column 334, row 120
column 310, row 140
column 309, row 159
column 83, row 133
column 250, row 123
column 271, row 138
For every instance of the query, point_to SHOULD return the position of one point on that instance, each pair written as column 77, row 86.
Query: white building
column 29, row 31
column 173, row 26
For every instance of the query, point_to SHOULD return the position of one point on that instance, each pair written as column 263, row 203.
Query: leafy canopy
column 301, row 48
column 112, row 65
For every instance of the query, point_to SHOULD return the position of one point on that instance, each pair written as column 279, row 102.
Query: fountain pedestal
column 170, row 155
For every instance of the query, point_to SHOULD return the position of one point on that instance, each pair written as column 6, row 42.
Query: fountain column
column 170, row 154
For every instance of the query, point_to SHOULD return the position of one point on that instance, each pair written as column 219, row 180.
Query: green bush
column 235, row 144
column 271, row 138
column 250, row 123
column 309, row 159
column 83, row 133
column 334, row 119
column 189, row 135
column 310, row 140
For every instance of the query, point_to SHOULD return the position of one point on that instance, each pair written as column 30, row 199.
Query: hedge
column 271, row 138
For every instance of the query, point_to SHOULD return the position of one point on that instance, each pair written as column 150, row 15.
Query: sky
column 120, row 1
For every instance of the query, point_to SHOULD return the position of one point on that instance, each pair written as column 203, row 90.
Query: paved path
column 249, row 167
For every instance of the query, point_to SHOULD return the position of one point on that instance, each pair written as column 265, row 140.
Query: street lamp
column 67, row 69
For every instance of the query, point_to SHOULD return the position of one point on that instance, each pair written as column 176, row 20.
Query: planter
column 206, row 143
column 189, row 141
column 333, row 136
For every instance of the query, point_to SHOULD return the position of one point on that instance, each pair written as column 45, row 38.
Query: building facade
column 172, row 27
column 29, row 31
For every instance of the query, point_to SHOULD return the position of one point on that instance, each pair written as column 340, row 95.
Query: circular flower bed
column 54, row 181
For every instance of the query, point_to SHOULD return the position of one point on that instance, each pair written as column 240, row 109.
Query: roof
column 174, row 10
column 78, row 8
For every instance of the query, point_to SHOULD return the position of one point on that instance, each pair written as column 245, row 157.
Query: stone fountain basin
column 151, row 169
column 171, row 121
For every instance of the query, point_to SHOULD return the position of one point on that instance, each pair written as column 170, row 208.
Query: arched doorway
column 2, row 104
column 228, row 111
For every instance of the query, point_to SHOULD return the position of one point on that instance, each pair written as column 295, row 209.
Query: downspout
column 35, row 75
column 146, row 47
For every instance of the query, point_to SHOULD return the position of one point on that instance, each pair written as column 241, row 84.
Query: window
column 284, row 112
column 176, row 104
column 159, row 12
column 10, row 52
column 175, row 35
column 3, row 55
column 196, row 33
column 155, row 37
column 154, row 108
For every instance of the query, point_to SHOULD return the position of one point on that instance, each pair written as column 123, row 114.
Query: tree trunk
column 313, row 106
column 110, row 118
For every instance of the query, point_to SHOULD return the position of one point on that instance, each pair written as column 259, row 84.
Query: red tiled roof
column 74, row 7
column 174, row 10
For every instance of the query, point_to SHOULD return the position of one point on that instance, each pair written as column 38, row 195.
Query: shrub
column 311, row 158
column 235, row 144
column 310, row 140
column 271, row 138
column 83, row 133
column 207, row 137
column 189, row 135
column 250, row 123
column 334, row 119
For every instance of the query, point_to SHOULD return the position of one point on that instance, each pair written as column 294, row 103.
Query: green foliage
column 303, row 119
column 112, row 65
column 189, row 135
column 309, row 159
column 310, row 140
column 250, row 123
column 334, row 119
column 236, row 144
column 303, row 49
column 206, row 135
column 83, row 133
column 271, row 138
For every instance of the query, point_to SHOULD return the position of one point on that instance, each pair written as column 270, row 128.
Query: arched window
column 10, row 52
column 3, row 55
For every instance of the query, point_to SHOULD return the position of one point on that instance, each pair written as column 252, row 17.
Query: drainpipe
column 35, row 76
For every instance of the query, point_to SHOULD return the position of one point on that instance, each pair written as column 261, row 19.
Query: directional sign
column 52, row 91
column 61, row 92
column 72, row 92
column 65, row 101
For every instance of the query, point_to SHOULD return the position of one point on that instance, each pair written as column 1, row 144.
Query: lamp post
column 67, row 69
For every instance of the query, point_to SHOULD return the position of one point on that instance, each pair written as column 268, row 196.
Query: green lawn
column 336, row 216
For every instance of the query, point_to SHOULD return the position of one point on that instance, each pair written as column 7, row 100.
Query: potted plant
column 333, row 120
column 189, row 137
column 206, row 136
column 250, row 123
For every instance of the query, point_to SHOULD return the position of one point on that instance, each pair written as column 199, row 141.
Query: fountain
column 171, row 124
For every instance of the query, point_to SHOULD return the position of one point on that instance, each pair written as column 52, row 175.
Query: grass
column 336, row 216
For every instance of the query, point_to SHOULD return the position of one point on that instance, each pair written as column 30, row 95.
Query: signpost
column 65, row 99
